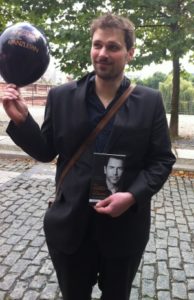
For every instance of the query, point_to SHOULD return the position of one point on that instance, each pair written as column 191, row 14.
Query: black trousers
column 79, row 272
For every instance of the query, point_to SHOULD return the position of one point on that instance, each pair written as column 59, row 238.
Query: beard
column 107, row 71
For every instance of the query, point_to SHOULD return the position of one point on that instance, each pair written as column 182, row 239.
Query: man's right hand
column 14, row 104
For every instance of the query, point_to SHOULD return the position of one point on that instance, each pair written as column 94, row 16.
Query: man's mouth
column 103, row 62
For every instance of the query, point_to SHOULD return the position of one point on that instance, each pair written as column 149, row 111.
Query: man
column 113, row 171
column 103, row 243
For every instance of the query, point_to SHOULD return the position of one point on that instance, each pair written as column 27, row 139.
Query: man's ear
column 104, row 170
column 130, row 54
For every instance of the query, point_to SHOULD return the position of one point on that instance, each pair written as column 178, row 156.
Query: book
column 107, row 176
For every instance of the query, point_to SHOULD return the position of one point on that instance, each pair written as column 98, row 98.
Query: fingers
column 14, row 104
column 103, row 203
column 11, row 92
column 103, row 206
column 116, row 204
column 12, row 85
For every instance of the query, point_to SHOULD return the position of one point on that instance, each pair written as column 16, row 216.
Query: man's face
column 109, row 54
column 114, row 170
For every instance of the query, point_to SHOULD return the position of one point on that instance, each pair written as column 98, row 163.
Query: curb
column 183, row 167
column 14, row 155
column 180, row 165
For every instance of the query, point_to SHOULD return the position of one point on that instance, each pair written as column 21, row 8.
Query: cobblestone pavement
column 167, row 268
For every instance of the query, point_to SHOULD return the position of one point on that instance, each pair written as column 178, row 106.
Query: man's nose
column 115, row 172
column 103, row 51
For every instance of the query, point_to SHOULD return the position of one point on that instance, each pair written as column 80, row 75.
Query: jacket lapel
column 121, row 121
column 79, row 100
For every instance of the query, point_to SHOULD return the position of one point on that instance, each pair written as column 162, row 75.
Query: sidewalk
column 183, row 149
column 185, row 157
column 166, row 271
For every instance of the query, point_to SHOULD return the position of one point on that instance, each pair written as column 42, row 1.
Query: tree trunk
column 174, row 122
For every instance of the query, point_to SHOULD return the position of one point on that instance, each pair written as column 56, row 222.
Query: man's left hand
column 116, row 204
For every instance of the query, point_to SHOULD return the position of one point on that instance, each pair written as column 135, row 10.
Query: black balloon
column 24, row 54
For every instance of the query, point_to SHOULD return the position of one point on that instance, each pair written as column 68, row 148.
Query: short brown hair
column 114, row 21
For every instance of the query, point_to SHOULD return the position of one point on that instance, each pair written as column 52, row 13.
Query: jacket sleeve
column 158, row 161
column 38, row 143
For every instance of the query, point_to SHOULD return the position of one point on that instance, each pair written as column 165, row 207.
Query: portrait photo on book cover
column 107, row 176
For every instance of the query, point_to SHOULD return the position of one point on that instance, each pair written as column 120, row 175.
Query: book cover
column 107, row 176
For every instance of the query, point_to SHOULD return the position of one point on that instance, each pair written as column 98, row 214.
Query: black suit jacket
column 140, row 131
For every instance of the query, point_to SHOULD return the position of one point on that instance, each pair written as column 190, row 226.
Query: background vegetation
column 163, row 82
column 164, row 30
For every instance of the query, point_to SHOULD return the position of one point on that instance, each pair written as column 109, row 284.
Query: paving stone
column 185, row 237
column 179, row 291
column 185, row 246
column 49, row 291
column 162, row 234
column 38, row 241
column 137, row 280
column 19, row 290
column 172, row 241
column 162, row 282
column 170, row 223
column 134, row 294
column 161, row 254
column 31, row 253
column 7, row 282
column 178, row 275
column 148, row 288
column 5, row 249
column 149, row 258
column 163, row 295
column 175, row 263
column 148, row 272
column 11, row 258
column 161, row 244
column 191, row 285
column 38, row 281
column 31, row 295
column 162, row 268
column 2, row 295
column 174, row 252
column 188, row 257
column 191, row 296
column 20, row 266
column 189, row 270
column 30, row 272
column 3, row 271
column 47, row 268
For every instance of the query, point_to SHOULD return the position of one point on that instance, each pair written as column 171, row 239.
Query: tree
column 164, row 31
column 165, row 28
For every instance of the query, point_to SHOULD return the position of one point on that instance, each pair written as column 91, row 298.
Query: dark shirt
column 96, row 111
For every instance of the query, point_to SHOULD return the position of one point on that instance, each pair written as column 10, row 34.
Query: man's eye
column 113, row 48
column 97, row 46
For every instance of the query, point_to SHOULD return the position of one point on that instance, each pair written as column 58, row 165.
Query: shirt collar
column 124, row 84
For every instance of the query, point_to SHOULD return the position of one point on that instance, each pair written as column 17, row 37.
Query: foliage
column 164, row 30
column 188, row 76
column 152, row 81
column 8, row 12
column 186, row 104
